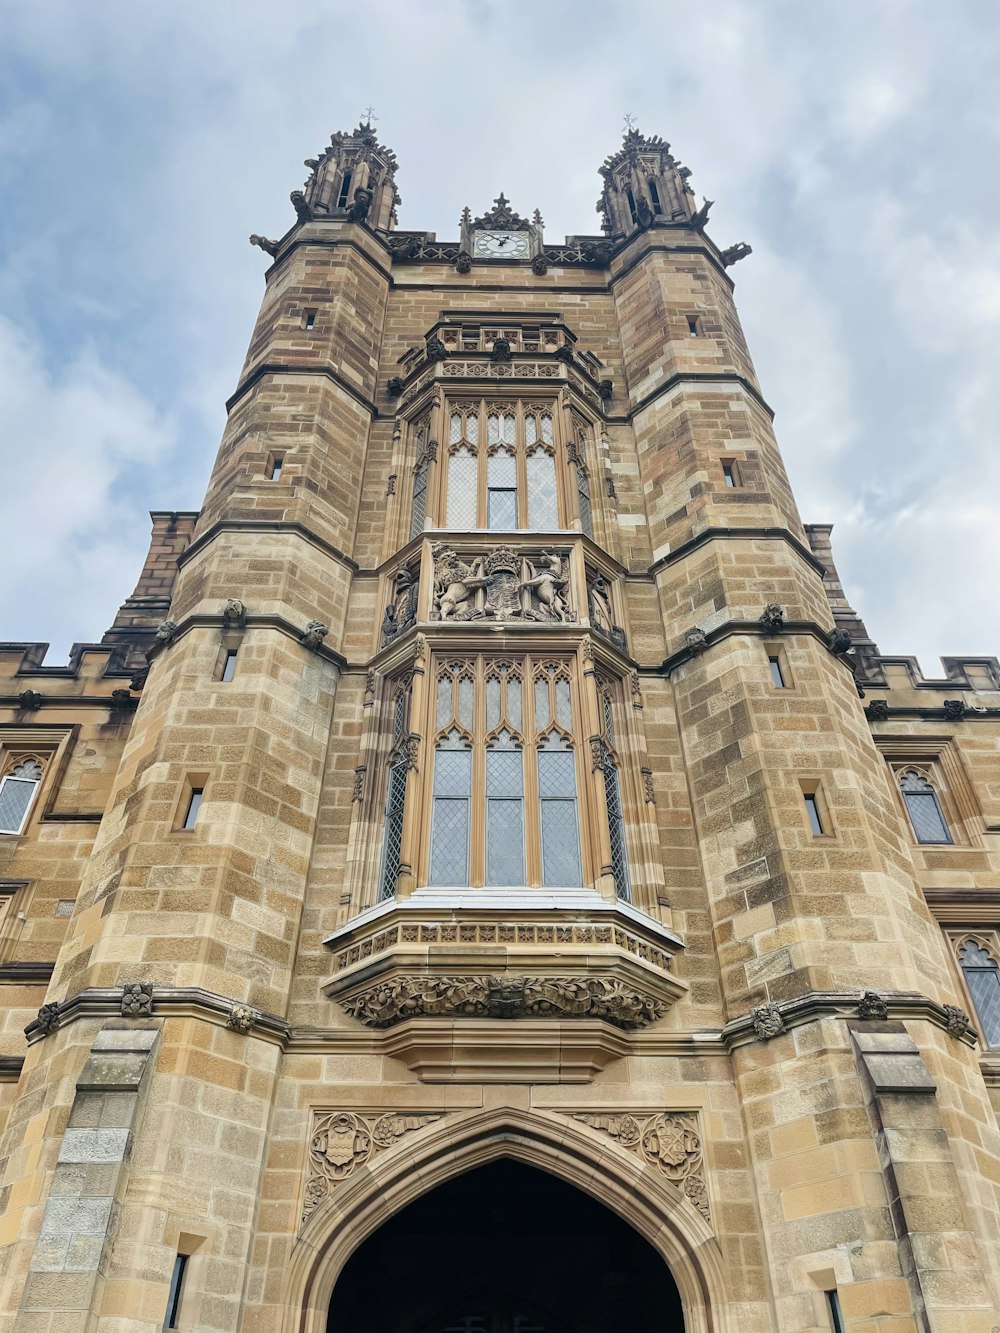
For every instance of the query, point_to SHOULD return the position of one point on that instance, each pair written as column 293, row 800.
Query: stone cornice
column 278, row 623
column 329, row 371
column 737, row 534
column 696, row 377
column 972, row 907
column 26, row 974
column 265, row 525
column 729, row 628
column 788, row 1014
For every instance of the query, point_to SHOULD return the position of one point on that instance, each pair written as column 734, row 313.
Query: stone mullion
column 437, row 446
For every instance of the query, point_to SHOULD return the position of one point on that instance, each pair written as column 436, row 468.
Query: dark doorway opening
column 505, row 1249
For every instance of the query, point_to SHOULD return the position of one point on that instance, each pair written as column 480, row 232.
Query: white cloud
column 74, row 539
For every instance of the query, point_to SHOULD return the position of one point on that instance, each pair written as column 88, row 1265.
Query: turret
column 355, row 180
column 644, row 184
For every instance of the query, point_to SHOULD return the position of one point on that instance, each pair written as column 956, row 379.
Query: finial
column 369, row 115
column 630, row 122
column 537, row 218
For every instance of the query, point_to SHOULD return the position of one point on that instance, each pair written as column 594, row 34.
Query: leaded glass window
column 395, row 802
column 502, row 472
column 982, row 977
column 923, row 807
column 418, row 510
column 17, row 791
column 582, row 484
column 505, row 781
column 613, row 792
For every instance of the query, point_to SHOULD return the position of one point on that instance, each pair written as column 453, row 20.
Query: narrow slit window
column 777, row 675
column 274, row 471
column 729, row 475
column 176, row 1291
column 345, row 190
column 836, row 1314
column 813, row 814
column 654, row 194
column 193, row 805
column 631, row 205
column 310, row 319
column 229, row 666
column 693, row 328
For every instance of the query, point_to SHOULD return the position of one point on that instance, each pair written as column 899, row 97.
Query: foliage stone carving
column 48, row 1018
column 342, row 1141
column 669, row 1142
column 242, row 1018
column 957, row 1022
column 137, row 999
column 503, row 996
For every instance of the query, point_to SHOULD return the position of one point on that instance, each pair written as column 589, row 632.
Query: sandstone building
column 487, row 879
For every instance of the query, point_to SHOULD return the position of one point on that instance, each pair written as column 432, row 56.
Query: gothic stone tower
column 487, row 878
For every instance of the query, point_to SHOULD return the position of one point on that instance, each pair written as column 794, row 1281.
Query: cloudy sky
column 853, row 143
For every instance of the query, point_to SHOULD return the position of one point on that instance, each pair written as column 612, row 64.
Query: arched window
column 504, row 793
column 345, row 190
column 982, row 977
column 501, row 469
column 17, row 792
column 923, row 807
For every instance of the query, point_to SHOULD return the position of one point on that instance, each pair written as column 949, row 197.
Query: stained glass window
column 982, row 977
column 924, row 808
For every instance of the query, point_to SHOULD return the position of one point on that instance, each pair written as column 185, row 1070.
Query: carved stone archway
column 653, row 1207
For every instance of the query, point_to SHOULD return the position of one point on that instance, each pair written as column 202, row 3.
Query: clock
column 501, row 245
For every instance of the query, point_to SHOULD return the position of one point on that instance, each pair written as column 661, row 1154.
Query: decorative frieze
column 490, row 932
column 342, row 1141
column 503, row 996
column 670, row 1142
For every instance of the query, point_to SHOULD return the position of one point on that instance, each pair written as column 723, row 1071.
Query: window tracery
column 923, row 805
column 504, row 791
column 982, row 979
column 18, row 788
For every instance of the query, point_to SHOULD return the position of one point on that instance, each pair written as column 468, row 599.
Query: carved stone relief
column 342, row 1141
column 401, row 611
column 503, row 996
column 670, row 1142
column 601, row 611
column 503, row 584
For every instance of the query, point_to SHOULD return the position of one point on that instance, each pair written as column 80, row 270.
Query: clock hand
column 502, row 240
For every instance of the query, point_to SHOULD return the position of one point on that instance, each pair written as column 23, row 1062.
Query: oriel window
column 501, row 469
column 504, row 790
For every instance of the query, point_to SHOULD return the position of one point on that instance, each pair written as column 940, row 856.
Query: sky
column 853, row 144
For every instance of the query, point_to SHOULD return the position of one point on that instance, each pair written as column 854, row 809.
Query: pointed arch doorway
column 505, row 1248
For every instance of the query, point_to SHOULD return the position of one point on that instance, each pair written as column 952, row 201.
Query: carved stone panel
column 670, row 1142
column 600, row 608
column 501, row 584
column 342, row 1141
column 401, row 609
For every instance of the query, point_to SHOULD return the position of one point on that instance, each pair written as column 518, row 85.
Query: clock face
column 501, row 245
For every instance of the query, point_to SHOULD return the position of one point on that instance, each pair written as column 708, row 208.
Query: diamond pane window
column 502, row 499
column 982, row 977
column 505, row 803
column 560, row 827
column 462, row 472
column 923, row 807
column 583, row 501
column 394, row 806
column 17, row 791
column 514, row 481
column 504, row 814
column 449, row 858
column 542, row 507
column 418, row 511
column 616, row 828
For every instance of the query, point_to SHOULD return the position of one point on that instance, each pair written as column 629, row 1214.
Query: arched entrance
column 505, row 1248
